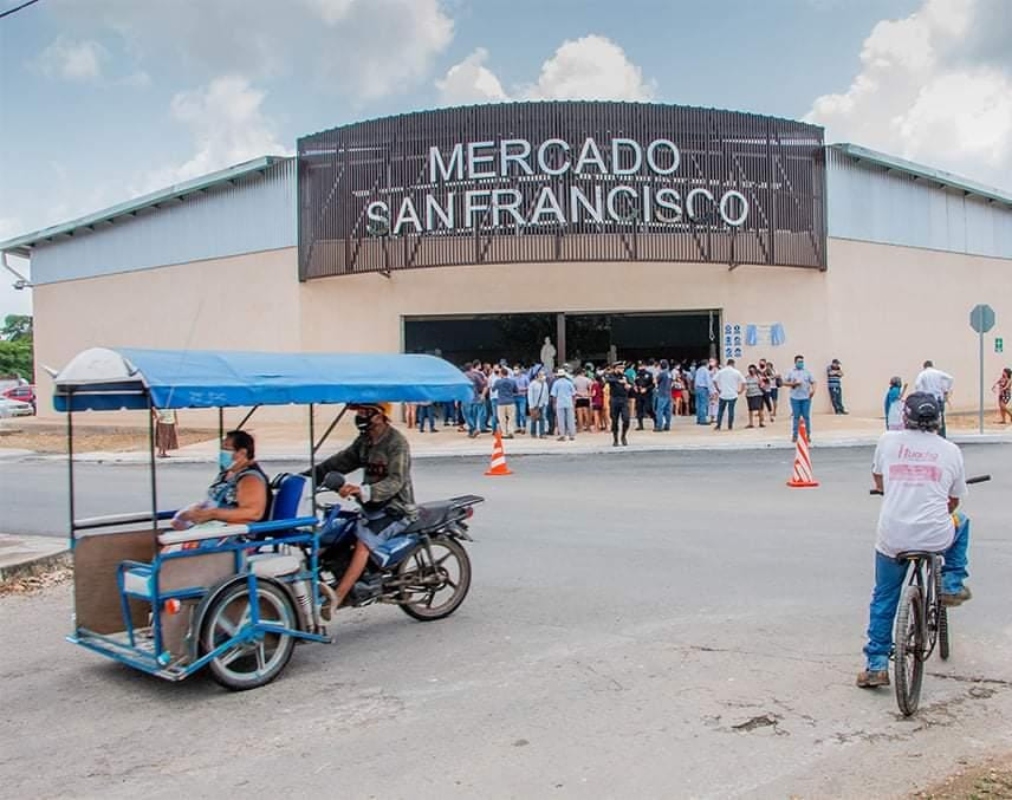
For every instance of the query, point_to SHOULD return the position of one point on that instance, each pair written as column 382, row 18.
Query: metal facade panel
column 873, row 205
column 528, row 157
column 254, row 214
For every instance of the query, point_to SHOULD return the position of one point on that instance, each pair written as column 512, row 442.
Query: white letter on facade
column 378, row 213
column 673, row 204
column 676, row 157
column 690, row 198
column 591, row 154
column 543, row 162
column 547, row 203
column 613, row 211
column 724, row 202
column 512, row 208
column 473, row 160
column 505, row 156
column 407, row 214
column 577, row 198
column 616, row 156
column 438, row 169
column 433, row 210
column 471, row 206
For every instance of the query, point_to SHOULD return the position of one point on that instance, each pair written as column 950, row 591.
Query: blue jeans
column 702, row 406
column 836, row 398
column 729, row 405
column 471, row 411
column 375, row 529
column 799, row 409
column 426, row 413
column 889, row 577
column 521, row 406
column 539, row 425
column 662, row 411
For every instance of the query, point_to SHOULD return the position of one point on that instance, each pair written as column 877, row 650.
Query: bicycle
column 922, row 621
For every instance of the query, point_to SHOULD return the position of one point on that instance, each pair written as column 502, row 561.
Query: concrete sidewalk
column 22, row 556
column 288, row 441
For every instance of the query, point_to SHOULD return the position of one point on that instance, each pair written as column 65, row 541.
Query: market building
column 617, row 230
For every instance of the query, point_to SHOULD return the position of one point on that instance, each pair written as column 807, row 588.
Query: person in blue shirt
column 563, row 391
column 703, row 383
column 505, row 401
column 802, row 386
column 662, row 398
column 894, row 412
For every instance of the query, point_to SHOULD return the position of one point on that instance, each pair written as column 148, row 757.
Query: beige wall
column 248, row 302
column 882, row 310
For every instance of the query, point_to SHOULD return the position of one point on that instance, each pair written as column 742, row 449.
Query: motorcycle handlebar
column 974, row 479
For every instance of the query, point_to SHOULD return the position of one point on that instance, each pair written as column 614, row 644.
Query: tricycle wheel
column 435, row 579
column 258, row 660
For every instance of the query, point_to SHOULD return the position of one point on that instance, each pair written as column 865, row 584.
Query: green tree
column 16, row 359
column 17, row 328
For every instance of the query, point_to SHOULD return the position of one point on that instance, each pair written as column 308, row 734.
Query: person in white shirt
column 938, row 384
column 729, row 383
column 922, row 478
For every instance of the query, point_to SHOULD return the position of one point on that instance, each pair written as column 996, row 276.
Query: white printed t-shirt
column 728, row 382
column 920, row 472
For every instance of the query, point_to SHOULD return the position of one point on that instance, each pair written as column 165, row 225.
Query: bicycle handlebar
column 974, row 479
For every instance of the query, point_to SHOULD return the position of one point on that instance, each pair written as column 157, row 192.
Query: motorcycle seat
column 432, row 515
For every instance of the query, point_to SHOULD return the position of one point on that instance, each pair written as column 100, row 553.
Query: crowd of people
column 522, row 400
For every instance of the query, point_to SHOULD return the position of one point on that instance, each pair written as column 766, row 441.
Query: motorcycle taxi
column 235, row 599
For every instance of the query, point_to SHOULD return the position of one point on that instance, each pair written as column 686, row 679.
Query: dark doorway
column 515, row 337
column 597, row 338
column 677, row 336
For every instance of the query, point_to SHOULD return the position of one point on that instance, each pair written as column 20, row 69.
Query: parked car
column 15, row 408
column 24, row 394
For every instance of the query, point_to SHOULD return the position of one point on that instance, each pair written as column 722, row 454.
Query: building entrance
column 578, row 338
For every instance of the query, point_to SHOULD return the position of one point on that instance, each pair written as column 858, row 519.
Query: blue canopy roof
column 122, row 378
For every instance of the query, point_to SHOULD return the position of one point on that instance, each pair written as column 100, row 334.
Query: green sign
column 999, row 345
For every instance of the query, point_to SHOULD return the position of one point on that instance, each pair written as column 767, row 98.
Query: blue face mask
column 225, row 459
column 799, row 365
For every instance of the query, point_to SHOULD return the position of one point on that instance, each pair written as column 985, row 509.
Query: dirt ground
column 988, row 781
column 52, row 437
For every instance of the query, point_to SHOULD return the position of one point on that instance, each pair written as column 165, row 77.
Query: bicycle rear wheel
column 943, row 632
column 909, row 638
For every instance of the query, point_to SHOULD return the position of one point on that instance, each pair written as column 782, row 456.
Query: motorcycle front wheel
column 435, row 579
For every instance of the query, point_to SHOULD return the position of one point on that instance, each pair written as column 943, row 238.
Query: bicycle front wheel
column 909, row 638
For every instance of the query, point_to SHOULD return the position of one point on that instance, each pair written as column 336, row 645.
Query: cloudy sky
column 101, row 100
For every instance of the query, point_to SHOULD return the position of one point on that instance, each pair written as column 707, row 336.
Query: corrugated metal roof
column 944, row 179
column 22, row 245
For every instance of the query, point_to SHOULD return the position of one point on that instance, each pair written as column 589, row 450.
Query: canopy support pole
column 70, row 460
column 246, row 419
column 326, row 434
column 151, row 456
column 312, row 459
column 221, row 424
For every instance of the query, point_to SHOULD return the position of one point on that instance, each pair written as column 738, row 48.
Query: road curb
column 34, row 566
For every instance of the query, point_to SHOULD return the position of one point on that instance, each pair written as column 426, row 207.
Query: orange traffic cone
column 498, row 465
column 802, row 477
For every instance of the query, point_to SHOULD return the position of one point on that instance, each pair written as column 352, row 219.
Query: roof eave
column 22, row 245
column 944, row 179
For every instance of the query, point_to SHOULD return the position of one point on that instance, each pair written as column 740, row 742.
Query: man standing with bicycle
column 922, row 478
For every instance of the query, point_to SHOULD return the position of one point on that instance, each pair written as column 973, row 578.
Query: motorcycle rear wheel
column 443, row 576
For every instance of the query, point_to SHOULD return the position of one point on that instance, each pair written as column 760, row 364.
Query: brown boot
column 872, row 679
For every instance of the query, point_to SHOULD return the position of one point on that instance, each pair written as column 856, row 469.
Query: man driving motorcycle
column 922, row 478
column 386, row 494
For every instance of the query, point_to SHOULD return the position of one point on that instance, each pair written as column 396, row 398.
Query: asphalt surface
column 641, row 625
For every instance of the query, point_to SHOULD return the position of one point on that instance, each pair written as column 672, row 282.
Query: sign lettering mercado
column 531, row 182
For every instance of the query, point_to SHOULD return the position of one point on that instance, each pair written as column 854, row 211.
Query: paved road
column 663, row 625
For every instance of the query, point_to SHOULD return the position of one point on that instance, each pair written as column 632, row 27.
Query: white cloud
column 73, row 60
column 934, row 87
column 362, row 48
column 228, row 126
column 470, row 81
column 590, row 68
